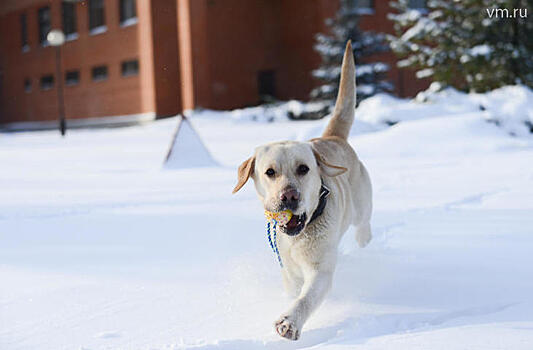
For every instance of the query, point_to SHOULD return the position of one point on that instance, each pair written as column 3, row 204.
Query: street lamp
column 56, row 38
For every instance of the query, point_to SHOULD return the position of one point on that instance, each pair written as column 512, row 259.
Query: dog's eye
column 302, row 169
column 270, row 172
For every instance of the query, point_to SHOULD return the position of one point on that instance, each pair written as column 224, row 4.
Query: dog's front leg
column 316, row 285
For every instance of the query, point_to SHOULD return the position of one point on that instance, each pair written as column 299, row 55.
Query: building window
column 72, row 77
column 27, row 85
column 68, row 14
column 96, row 17
column 362, row 6
column 128, row 12
column 416, row 4
column 47, row 82
column 24, row 33
column 130, row 68
column 43, row 15
column 266, row 85
column 99, row 73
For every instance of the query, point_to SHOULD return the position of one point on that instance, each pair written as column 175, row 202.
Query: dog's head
column 288, row 175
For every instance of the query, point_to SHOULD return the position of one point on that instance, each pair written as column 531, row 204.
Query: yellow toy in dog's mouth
column 281, row 217
column 273, row 220
column 291, row 224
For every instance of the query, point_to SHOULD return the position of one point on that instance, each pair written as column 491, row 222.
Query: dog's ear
column 246, row 169
column 327, row 168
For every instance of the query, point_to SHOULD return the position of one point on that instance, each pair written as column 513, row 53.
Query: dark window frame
column 99, row 73
column 96, row 13
column 69, row 21
column 27, row 85
column 47, row 82
column 366, row 9
column 24, row 32
column 266, row 85
column 44, row 21
column 129, row 68
column 128, row 12
column 72, row 77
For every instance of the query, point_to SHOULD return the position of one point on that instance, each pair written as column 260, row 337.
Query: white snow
column 129, row 22
column 423, row 25
column 424, row 73
column 481, row 50
column 511, row 107
column 100, row 248
column 98, row 30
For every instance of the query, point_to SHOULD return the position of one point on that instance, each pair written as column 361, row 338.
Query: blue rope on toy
column 272, row 239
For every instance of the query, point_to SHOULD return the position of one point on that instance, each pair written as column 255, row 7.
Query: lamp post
column 56, row 38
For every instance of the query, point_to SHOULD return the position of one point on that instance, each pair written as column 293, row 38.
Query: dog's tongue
column 293, row 222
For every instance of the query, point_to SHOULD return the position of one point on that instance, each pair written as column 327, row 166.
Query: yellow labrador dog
column 327, row 189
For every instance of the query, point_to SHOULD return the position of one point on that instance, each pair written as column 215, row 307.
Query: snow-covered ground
column 100, row 248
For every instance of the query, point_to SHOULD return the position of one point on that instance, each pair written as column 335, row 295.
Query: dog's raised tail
column 344, row 111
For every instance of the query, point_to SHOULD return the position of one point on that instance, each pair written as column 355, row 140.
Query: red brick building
column 155, row 58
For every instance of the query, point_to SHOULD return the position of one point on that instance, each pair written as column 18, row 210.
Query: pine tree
column 466, row 44
column 371, row 75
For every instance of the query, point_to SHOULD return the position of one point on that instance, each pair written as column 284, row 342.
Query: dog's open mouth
column 295, row 224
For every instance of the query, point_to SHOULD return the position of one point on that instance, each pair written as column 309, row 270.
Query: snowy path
column 100, row 249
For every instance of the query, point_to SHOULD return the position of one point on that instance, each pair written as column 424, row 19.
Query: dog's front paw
column 287, row 328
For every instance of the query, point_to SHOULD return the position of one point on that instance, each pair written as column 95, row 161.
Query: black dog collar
column 322, row 200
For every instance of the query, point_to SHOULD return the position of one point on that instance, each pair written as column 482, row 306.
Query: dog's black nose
column 290, row 198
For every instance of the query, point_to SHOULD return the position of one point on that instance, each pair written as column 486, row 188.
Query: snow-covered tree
column 371, row 74
column 473, row 45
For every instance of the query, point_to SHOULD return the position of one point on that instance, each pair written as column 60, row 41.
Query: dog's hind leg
column 363, row 234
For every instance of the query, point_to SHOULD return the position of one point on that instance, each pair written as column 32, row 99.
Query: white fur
column 310, row 257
